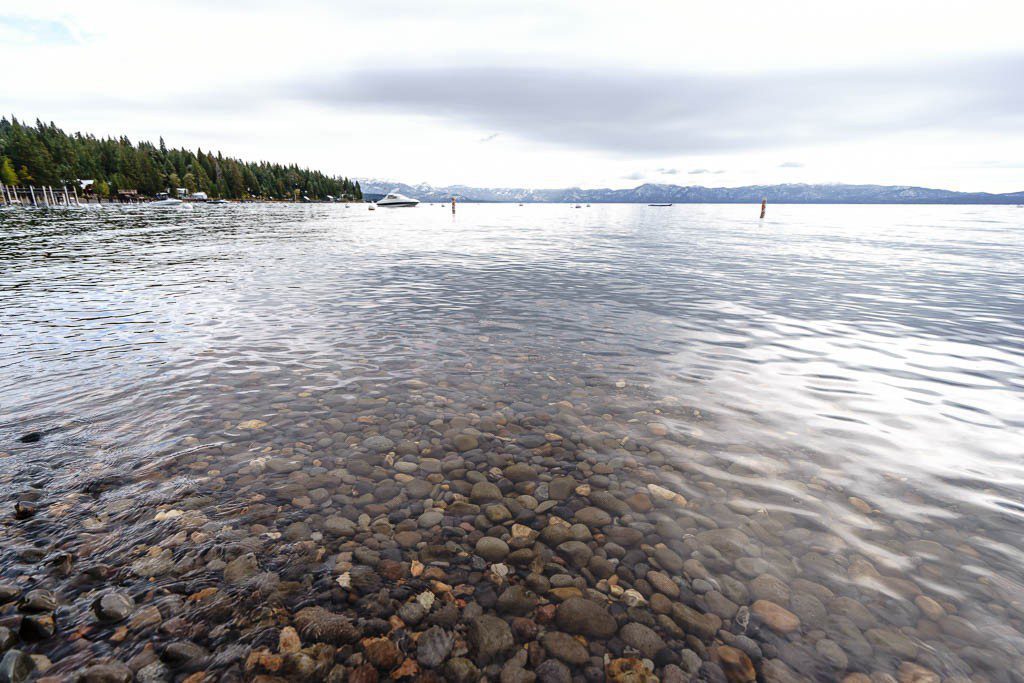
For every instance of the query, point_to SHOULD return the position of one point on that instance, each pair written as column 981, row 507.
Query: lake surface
column 793, row 443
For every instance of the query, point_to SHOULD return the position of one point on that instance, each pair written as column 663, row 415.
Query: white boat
column 395, row 199
column 169, row 201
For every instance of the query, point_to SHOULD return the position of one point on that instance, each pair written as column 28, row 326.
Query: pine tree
column 8, row 176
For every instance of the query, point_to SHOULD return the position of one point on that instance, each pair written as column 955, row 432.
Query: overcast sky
column 544, row 93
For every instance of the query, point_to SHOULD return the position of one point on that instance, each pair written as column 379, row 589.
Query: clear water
column 848, row 381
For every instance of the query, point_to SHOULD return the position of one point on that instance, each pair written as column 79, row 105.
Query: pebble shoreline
column 436, row 531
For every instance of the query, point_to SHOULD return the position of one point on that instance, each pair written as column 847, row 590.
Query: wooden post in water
column 75, row 190
column 32, row 191
column 3, row 190
column 764, row 206
column 453, row 204
column 67, row 199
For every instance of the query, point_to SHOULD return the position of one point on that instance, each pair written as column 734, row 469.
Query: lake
column 318, row 441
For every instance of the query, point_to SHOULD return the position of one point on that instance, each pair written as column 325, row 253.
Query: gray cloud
column 791, row 164
column 698, row 171
column 668, row 171
column 488, row 138
column 636, row 175
column 658, row 112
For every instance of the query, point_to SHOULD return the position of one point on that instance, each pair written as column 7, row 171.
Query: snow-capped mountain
column 793, row 193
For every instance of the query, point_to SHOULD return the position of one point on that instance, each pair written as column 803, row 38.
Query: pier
column 49, row 196
column 44, row 195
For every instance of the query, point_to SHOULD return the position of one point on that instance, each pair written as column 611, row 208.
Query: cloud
column 635, row 175
column 14, row 29
column 668, row 171
column 702, row 171
column 791, row 164
column 636, row 112
column 488, row 138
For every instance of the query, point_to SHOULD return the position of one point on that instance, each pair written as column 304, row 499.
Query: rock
column 382, row 653
column 113, row 607
column 288, row 640
column 565, row 647
column 251, row 424
column 776, row 617
column 624, row 535
column 593, row 517
column 115, row 672
column 668, row 559
column 663, row 584
column 703, row 626
column 38, row 600
column 914, row 673
column 433, row 647
column 768, row 587
column 465, row 442
column 378, row 444
column 430, row 519
column 156, row 564
column 577, row 552
column 336, row 525
column 154, row 672
column 553, row 671
column 37, row 627
column 15, row 667
column 484, row 492
column 831, row 653
column 492, row 549
column 892, row 641
column 776, row 671
column 363, row 674
column 8, row 591
column 489, row 637
column 520, row 472
column 736, row 664
column 24, row 509
column 320, row 625
column 517, row 600
column 808, row 609
column 585, row 617
column 186, row 655
column 7, row 639
column 531, row 440
column 412, row 613
column 628, row 670
column 461, row 670
column 241, row 568
column 642, row 638
column 560, row 488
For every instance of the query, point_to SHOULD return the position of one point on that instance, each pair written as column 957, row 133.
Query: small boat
column 588, row 206
column 395, row 199
column 659, row 205
column 577, row 207
column 168, row 201
column 218, row 201
column 373, row 207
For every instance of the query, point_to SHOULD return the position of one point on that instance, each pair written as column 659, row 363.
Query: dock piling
column 764, row 206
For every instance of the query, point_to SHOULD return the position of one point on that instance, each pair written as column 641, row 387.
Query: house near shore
column 198, row 196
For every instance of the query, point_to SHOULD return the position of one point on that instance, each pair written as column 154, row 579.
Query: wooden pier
column 44, row 195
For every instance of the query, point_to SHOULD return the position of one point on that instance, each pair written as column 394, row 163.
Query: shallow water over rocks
column 624, row 443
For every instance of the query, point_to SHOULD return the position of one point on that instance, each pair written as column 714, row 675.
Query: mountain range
column 791, row 193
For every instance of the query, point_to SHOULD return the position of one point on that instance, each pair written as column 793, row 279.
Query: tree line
column 45, row 155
